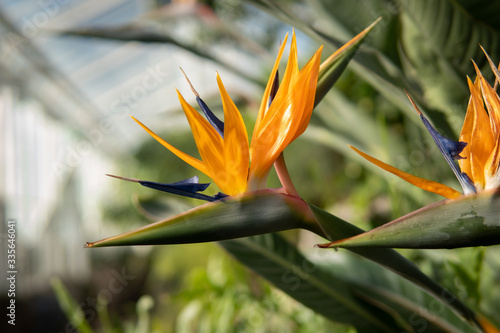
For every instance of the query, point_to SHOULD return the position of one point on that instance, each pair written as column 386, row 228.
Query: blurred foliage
column 209, row 293
column 224, row 297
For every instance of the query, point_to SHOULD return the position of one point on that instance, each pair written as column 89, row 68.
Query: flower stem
column 284, row 176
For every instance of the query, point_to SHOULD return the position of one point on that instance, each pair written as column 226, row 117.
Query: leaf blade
column 280, row 262
column 246, row 215
column 336, row 229
column 467, row 221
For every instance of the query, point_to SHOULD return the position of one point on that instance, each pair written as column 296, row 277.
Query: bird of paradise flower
column 478, row 148
column 240, row 168
column 471, row 218
column 226, row 155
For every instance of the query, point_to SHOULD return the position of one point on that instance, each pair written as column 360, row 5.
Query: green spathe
column 472, row 220
column 246, row 215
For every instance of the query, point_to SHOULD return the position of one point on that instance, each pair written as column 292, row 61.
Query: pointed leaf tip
column 247, row 215
column 413, row 103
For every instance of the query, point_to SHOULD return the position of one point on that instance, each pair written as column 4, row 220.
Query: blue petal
column 212, row 118
column 220, row 195
column 451, row 151
column 187, row 188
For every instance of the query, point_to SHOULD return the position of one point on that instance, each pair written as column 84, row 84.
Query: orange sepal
column 287, row 116
column 236, row 155
column 194, row 162
column 424, row 184
column 264, row 104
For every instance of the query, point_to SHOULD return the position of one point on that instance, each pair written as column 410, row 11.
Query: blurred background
column 70, row 74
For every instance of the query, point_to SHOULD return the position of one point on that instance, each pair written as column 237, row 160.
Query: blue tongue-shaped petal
column 211, row 117
column 186, row 188
column 450, row 150
column 189, row 185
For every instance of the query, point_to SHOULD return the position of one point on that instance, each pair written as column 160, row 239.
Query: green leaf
column 370, row 64
column 336, row 228
column 438, row 40
column 281, row 263
column 467, row 221
column 338, row 116
column 247, row 215
column 70, row 307
column 435, row 42
column 265, row 212
column 334, row 66
column 345, row 288
column 404, row 300
column 450, row 31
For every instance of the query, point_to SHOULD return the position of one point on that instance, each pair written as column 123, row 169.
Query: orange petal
column 492, row 167
column 283, row 120
column 492, row 102
column 493, row 67
column 481, row 142
column 265, row 98
column 208, row 141
column 424, row 184
column 194, row 162
column 313, row 72
column 466, row 136
column 291, row 71
column 236, row 155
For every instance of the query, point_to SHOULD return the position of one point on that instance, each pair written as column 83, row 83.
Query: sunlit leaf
column 247, row 215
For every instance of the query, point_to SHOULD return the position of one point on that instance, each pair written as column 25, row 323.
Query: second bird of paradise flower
column 477, row 152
